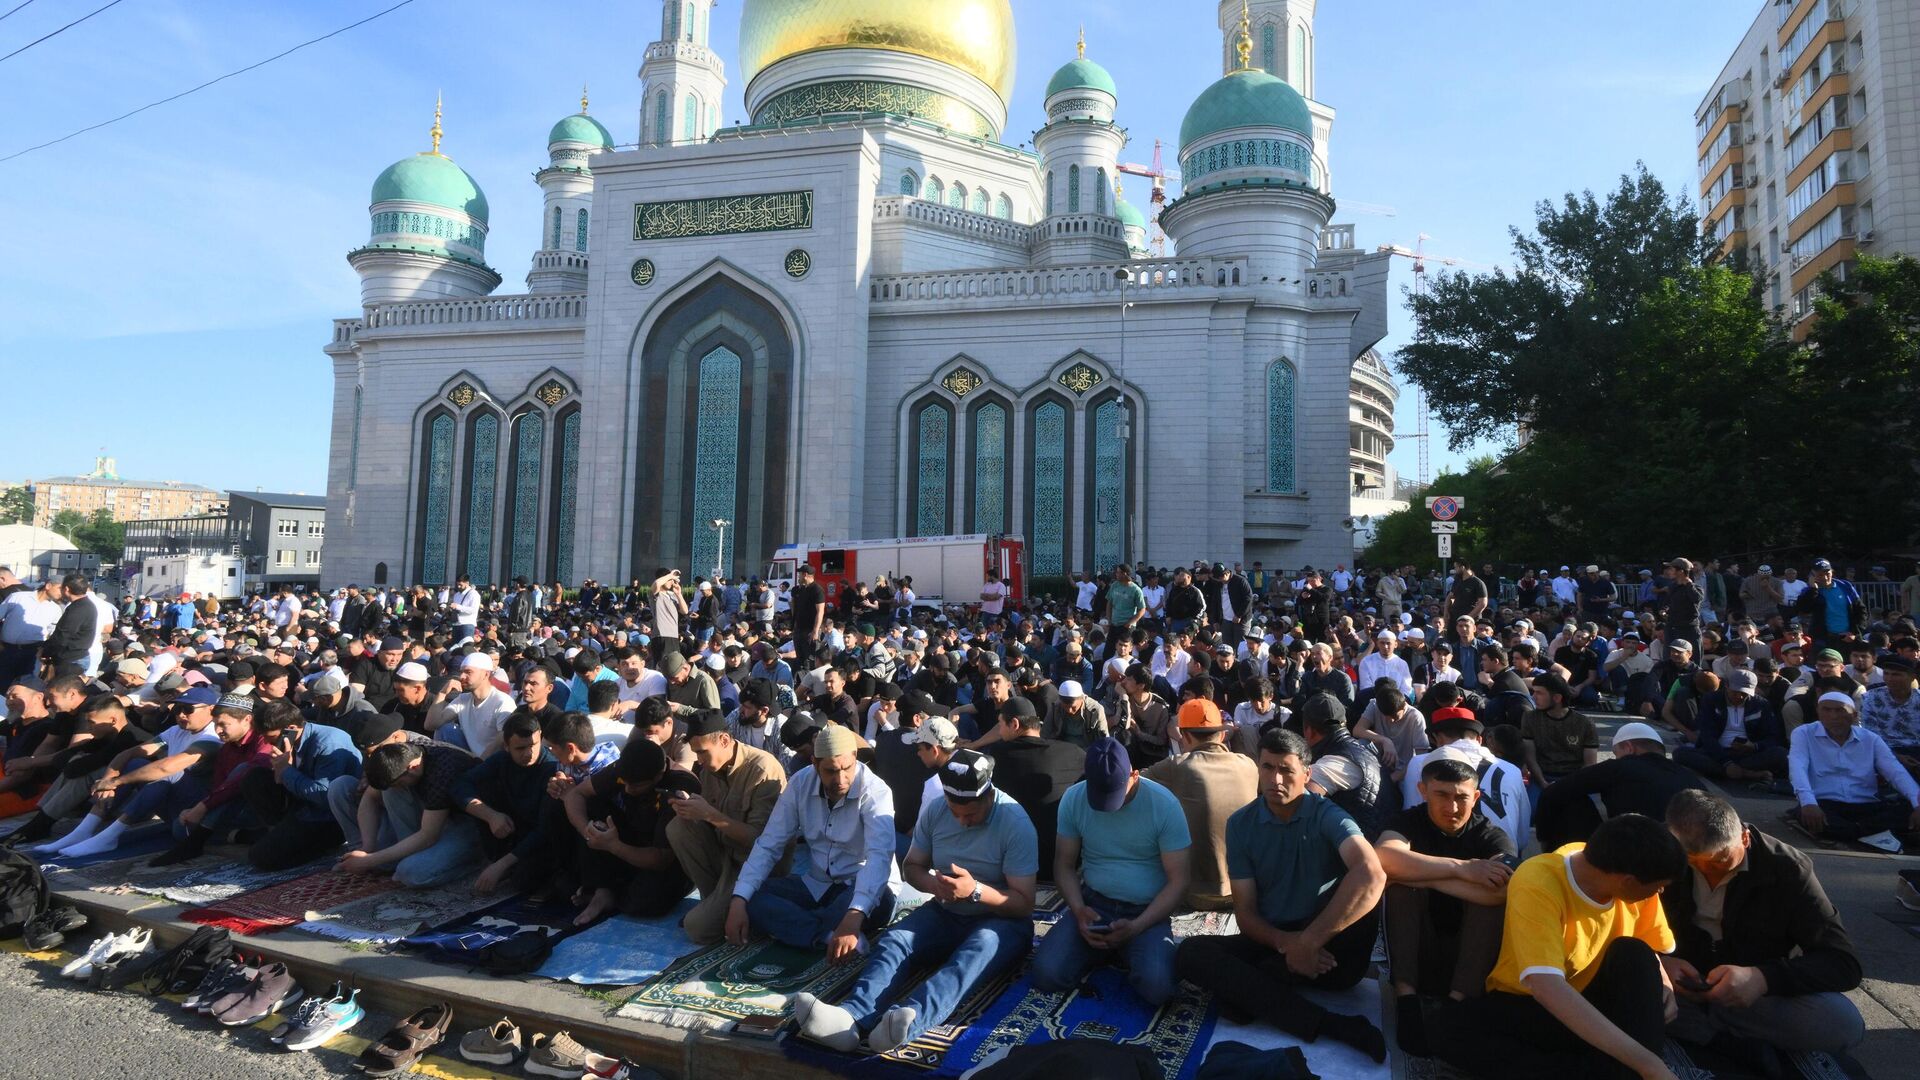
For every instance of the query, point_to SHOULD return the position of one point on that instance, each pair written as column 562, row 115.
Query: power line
column 16, row 7
column 56, row 33
column 209, row 82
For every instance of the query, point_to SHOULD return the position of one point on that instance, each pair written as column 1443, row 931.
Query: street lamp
column 720, row 544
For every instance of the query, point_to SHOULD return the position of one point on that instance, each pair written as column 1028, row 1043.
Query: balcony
column 1834, row 32
column 1735, row 240
column 1735, row 198
column 1732, row 158
column 1836, row 84
column 1808, row 271
column 1728, row 113
column 1840, row 138
column 1838, row 195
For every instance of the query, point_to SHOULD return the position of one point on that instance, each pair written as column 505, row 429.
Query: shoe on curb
column 320, row 1019
column 230, row 992
column 49, row 929
column 310, row 1008
column 602, row 1067
column 496, row 1045
column 557, row 1054
column 272, row 988
column 1907, row 894
column 409, row 1040
column 81, row 966
column 221, row 978
column 131, row 943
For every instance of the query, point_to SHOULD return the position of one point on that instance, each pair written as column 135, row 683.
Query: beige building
column 1809, row 143
column 127, row 500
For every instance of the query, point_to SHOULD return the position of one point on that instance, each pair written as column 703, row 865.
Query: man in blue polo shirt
column 1306, row 891
column 1121, row 864
column 976, row 852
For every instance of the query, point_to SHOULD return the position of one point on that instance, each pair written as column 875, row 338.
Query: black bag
column 519, row 954
column 23, row 892
column 178, row 969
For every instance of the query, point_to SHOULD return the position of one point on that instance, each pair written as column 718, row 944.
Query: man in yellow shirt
column 1578, row 989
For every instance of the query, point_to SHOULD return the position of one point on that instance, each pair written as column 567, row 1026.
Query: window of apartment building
column 283, row 557
column 313, row 558
column 316, row 528
column 1775, row 281
column 287, row 528
column 1773, row 202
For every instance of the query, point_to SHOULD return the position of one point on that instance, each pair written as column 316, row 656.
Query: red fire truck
column 946, row 570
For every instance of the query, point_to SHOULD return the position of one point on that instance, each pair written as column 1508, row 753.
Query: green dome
column 1129, row 215
column 581, row 128
column 1082, row 74
column 434, row 180
column 1246, row 98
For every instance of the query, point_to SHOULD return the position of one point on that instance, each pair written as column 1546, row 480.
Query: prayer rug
column 277, row 907
column 142, row 842
column 1329, row 1059
column 386, row 917
column 211, row 877
column 724, row 984
column 459, row 940
column 620, row 951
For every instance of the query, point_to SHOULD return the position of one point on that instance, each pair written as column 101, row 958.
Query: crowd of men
column 1322, row 755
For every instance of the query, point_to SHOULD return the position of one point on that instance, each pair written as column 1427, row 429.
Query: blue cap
column 198, row 695
column 1109, row 771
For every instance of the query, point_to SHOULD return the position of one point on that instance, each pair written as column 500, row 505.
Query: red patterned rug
column 277, row 907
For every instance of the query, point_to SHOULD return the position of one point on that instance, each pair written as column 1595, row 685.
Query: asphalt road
column 50, row 1027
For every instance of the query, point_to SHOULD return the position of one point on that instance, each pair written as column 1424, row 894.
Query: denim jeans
column 966, row 949
column 456, row 853
column 221, row 821
column 1822, row 1021
column 163, row 799
column 452, row 736
column 1064, row 957
column 783, row 909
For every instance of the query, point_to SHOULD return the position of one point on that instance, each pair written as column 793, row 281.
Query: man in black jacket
column 1229, row 602
column 1762, row 963
column 75, row 635
column 1186, row 604
column 1640, row 779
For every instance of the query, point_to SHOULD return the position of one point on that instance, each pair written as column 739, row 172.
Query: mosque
column 870, row 311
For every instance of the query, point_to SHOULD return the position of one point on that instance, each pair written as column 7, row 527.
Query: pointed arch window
column 957, row 195
column 933, row 468
column 483, row 469
column 933, row 192
column 909, row 183
column 566, row 484
column 990, row 468
column 1109, row 484
column 1002, row 206
column 353, row 448
column 1100, row 192
column 689, row 118
column 1049, row 192
column 1049, row 489
column 580, row 232
column 436, row 497
column 979, row 205
column 1297, row 65
column 671, row 32
column 523, row 493
column 1270, row 49
column 687, row 22
column 1073, row 189
column 554, row 244
column 1280, row 420
column 716, row 456
column 660, row 118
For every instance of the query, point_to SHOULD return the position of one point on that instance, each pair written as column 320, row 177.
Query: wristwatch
column 975, row 898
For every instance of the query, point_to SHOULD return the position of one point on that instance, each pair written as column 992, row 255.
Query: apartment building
column 127, row 500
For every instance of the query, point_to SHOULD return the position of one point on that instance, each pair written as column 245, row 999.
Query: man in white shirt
column 1837, row 768
column 993, row 596
column 1790, row 588
column 1342, row 581
column 1155, row 595
column 464, row 603
column 1456, row 733
column 26, row 618
column 1084, row 590
column 1566, row 591
column 472, row 720
column 1382, row 663
column 637, row 683
column 1171, row 662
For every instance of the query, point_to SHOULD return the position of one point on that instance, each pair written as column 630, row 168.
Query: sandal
column 399, row 1049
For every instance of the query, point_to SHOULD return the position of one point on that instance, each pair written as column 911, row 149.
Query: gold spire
column 583, row 99
column 436, row 132
column 1243, row 44
column 1083, row 41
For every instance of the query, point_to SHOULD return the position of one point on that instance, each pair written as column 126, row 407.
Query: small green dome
column 581, row 128
column 1129, row 215
column 1082, row 74
column 1246, row 98
column 434, row 180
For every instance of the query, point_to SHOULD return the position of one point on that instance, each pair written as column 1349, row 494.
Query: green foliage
column 16, row 506
column 99, row 534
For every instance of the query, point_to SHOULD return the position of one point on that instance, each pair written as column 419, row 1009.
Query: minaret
column 560, row 266
column 429, row 231
column 1281, row 33
column 1078, row 150
column 682, row 78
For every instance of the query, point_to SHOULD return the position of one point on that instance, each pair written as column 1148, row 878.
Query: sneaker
column 602, row 1067
column 49, row 929
column 272, row 988
column 226, row 976
column 496, row 1045
column 131, row 943
column 556, row 1055
column 81, row 966
column 321, row 1018
column 229, row 993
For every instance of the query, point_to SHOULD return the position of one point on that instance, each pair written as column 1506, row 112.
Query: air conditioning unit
column 1754, row 180
column 1867, row 237
column 1753, row 137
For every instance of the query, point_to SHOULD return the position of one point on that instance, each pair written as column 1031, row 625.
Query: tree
column 102, row 535
column 16, row 506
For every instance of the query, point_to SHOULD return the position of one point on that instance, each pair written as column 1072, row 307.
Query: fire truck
column 946, row 570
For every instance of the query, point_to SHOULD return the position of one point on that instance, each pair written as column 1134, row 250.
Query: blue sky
column 180, row 268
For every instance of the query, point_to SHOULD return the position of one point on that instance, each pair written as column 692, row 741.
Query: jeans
column 1506, row 1035
column 455, row 853
column 1064, row 957
column 452, row 735
column 163, row 799
column 1254, row 981
column 1825, row 1021
column 293, row 837
column 1851, row 821
column 222, row 820
column 963, row 950
column 343, row 800
column 1712, row 761
column 783, row 909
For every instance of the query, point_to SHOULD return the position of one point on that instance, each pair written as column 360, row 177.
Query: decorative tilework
column 868, row 96
column 1049, row 554
column 410, row 223
column 909, row 183
column 580, row 232
column 931, row 485
column 962, row 381
column 482, row 472
column 1280, row 380
column 552, row 392
column 716, row 463
column 433, row 530
column 1109, row 485
column 523, row 520
column 723, row 216
column 462, row 395
column 990, row 469
column 642, row 273
column 1002, row 207
column 1247, row 153
column 1081, row 378
column 1073, row 189
column 567, row 496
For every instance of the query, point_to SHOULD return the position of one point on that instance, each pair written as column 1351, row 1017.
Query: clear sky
column 179, row 269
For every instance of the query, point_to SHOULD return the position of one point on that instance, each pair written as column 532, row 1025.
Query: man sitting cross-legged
column 1306, row 890
column 244, row 749
column 714, row 830
column 975, row 850
column 1447, row 869
column 621, row 815
column 1578, row 989
column 289, row 797
column 145, row 780
column 406, row 817
column 507, row 795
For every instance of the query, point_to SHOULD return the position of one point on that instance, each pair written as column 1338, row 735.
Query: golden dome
column 975, row 36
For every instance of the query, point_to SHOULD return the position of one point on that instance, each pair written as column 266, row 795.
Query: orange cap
column 1199, row 714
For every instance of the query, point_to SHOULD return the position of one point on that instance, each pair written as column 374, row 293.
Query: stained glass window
column 673, row 23
column 1049, row 192
column 523, row 510
column 1109, row 485
column 1297, row 70
column 483, row 467
column 1280, row 377
column 1073, row 189
column 990, row 469
column 1049, row 489
column 1002, row 206
column 686, row 23
column 957, row 196
column 979, row 201
column 567, row 497
column 433, row 530
column 909, row 183
column 554, row 245
column 660, row 128
column 933, row 192
column 580, row 232
column 716, row 457
column 690, row 116
column 1100, row 193
column 931, row 485
column 1269, row 50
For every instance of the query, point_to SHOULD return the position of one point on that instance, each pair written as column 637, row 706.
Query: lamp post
column 720, row 545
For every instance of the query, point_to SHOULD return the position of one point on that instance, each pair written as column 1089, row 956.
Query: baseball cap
column 672, row 664
column 131, row 666
column 798, row 731
column 327, row 684
column 391, row 644
column 411, row 671
column 1592, row 568
column 1685, row 566
column 1822, row 564
column 936, row 731
column 1766, row 569
column 967, row 775
column 1829, row 654
column 918, row 703
column 198, row 695
column 1108, row 775
column 1018, row 706
column 1742, row 682
column 759, row 692
column 1636, row 732
column 1200, row 714
column 1071, row 689
column 1681, row 645
column 377, row 729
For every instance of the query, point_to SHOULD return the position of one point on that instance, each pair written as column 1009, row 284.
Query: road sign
column 1447, row 528
column 1445, row 541
column 1446, row 507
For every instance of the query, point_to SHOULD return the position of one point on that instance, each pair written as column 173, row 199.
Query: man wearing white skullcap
column 1837, row 768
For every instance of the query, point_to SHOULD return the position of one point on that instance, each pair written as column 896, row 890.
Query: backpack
column 178, row 969
column 23, row 892
column 518, row 955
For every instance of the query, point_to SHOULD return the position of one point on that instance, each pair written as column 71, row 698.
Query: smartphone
column 1100, row 927
column 1693, row 985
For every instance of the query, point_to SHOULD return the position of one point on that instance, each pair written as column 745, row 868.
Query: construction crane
column 1418, row 253
column 1157, row 173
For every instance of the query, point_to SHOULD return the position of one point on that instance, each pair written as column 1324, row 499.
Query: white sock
column 105, row 840
column 87, row 827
